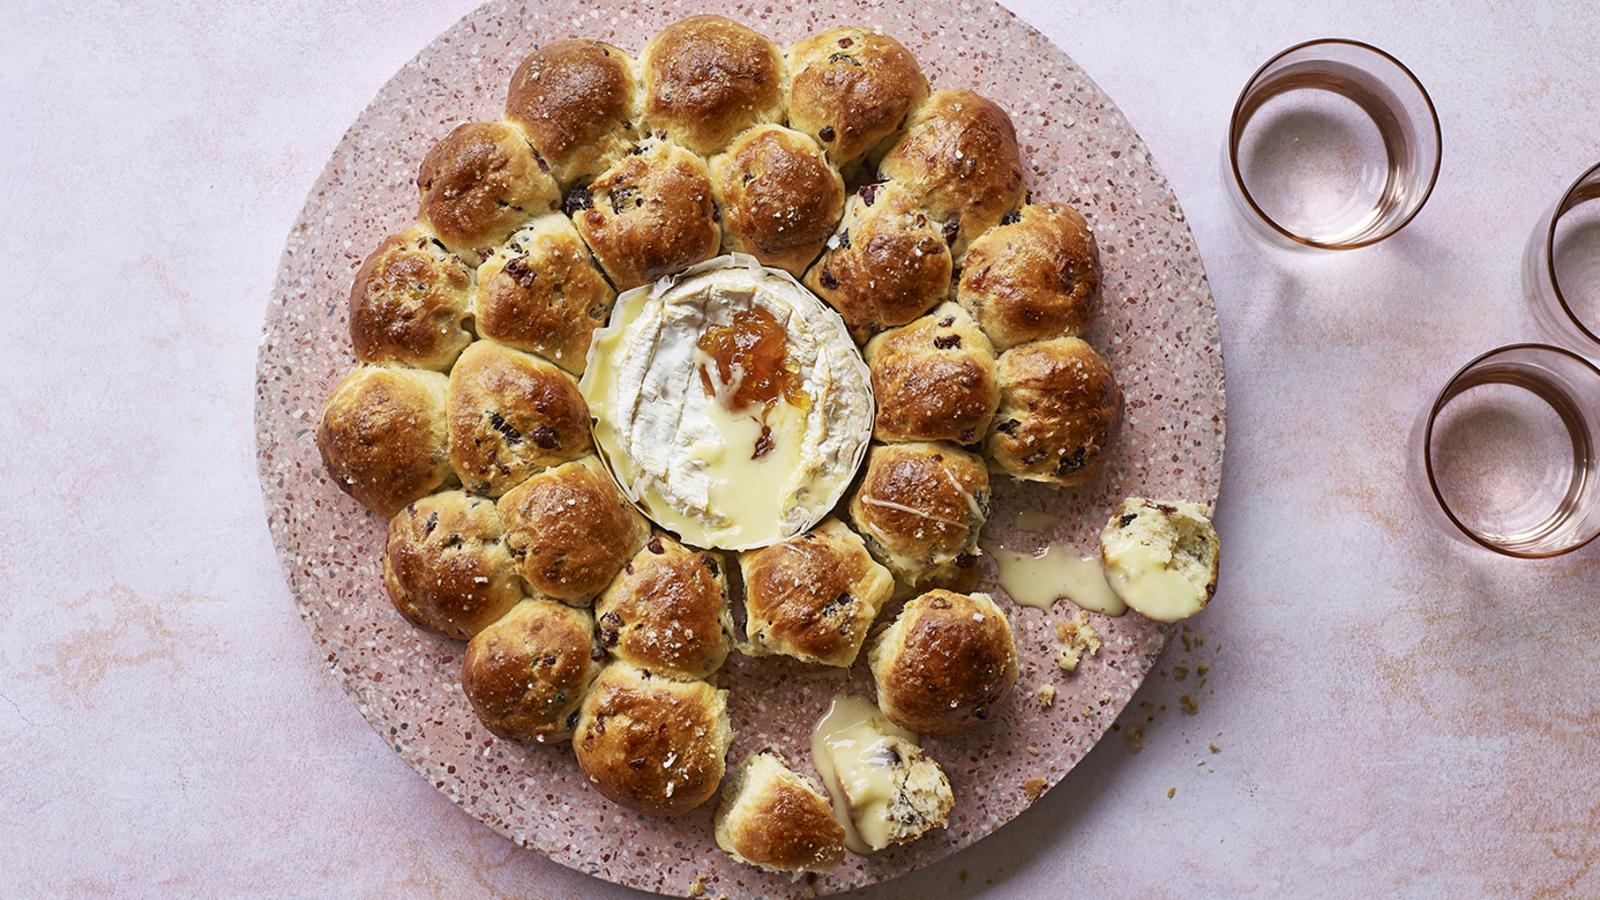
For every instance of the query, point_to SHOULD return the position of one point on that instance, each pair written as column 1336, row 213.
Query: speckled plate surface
column 1158, row 329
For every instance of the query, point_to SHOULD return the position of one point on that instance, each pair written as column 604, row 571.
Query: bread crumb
column 1033, row 750
column 1136, row 738
column 1033, row 787
column 1047, row 695
column 698, row 888
column 1214, row 748
column 1171, row 792
column 1179, row 673
column 1078, row 639
column 1187, row 704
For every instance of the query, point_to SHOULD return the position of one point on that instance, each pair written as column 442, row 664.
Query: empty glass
column 1561, row 266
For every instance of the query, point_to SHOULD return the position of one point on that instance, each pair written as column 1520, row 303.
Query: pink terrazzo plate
column 1158, row 328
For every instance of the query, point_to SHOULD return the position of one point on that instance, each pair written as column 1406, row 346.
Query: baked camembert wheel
column 659, row 314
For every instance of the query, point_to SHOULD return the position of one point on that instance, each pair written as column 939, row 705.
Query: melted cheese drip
column 851, row 747
column 1040, row 578
column 1142, row 579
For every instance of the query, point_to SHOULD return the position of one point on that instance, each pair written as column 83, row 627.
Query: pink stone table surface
column 1389, row 711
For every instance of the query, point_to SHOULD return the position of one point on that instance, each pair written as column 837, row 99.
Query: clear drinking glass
column 1506, row 455
column 1333, row 145
column 1561, row 266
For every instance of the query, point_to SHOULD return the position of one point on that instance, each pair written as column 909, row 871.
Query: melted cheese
column 852, row 748
column 1143, row 578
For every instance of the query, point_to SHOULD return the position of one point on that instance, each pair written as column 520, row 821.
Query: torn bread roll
column 1160, row 557
column 776, row 819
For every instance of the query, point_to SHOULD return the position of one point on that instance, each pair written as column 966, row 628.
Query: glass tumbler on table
column 1561, row 267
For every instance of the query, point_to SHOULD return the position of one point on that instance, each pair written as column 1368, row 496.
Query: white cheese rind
column 681, row 455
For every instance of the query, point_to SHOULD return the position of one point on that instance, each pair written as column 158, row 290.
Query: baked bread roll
column 813, row 597
column 527, row 673
column 707, row 78
column 887, row 264
column 919, row 507
column 653, row 744
column 570, row 530
column 479, row 184
column 383, row 436
column 947, row 661
column 409, row 303
column 776, row 819
column 1036, row 276
column 1059, row 406
column 667, row 611
column 649, row 215
column 511, row 415
column 779, row 198
column 578, row 102
column 890, row 791
column 852, row 89
column 934, row 380
column 1161, row 557
column 959, row 158
column 446, row 567
column 540, row 292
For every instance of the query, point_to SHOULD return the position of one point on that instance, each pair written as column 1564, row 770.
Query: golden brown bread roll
column 934, row 379
column 707, row 78
column 578, row 102
column 886, row 265
column 852, row 89
column 667, row 611
column 511, row 415
column 409, row 303
column 779, row 198
column 446, row 567
column 383, row 436
column 650, row 743
column 813, row 597
column 919, row 507
column 527, row 673
column 959, row 158
column 540, row 292
column 1036, row 276
column 1059, row 407
column 570, row 530
column 947, row 661
column 776, row 819
column 479, row 184
column 649, row 215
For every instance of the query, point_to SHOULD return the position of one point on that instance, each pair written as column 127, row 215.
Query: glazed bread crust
column 934, row 379
column 779, row 198
column 578, row 103
column 446, row 567
column 667, row 611
column 570, row 530
column 540, row 292
column 1059, row 409
column 511, row 415
column 944, row 665
column 653, row 744
column 383, row 436
column 853, row 89
column 1034, row 278
column 409, row 303
column 479, row 183
column 526, row 674
column 648, row 216
column 776, row 819
column 919, row 508
column 707, row 78
column 814, row 596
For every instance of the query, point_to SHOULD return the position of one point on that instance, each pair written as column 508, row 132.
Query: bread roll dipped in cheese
column 1160, row 557
column 885, row 789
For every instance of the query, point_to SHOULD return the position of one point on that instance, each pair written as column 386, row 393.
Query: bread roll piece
column 944, row 665
column 1161, row 557
column 934, row 379
column 526, row 674
column 541, row 292
column 578, row 103
column 446, row 566
column 650, row 743
column 853, row 89
column 480, row 183
column 667, row 611
column 1059, row 408
column 409, row 303
column 959, row 158
column 511, row 415
column 890, row 791
column 1034, row 277
column 779, row 198
column 383, row 436
column 707, row 78
column 648, row 216
column 919, row 507
column 813, row 597
column 776, row 819
column 570, row 530
column 887, row 264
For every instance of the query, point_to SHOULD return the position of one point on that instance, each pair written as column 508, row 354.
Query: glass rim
column 1234, row 135
column 1443, row 397
column 1549, row 261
